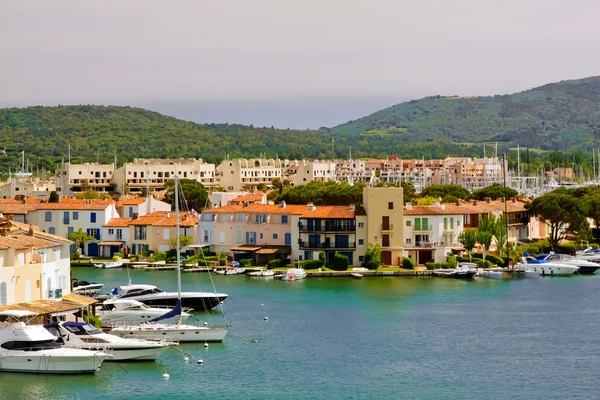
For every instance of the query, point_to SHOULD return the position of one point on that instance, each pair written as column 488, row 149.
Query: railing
column 326, row 228
column 326, row 245
column 387, row 227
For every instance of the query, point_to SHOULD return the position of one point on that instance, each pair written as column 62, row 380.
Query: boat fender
column 205, row 344
column 266, row 319
column 165, row 376
column 186, row 359
column 200, row 361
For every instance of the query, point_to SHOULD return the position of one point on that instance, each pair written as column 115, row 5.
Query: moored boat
column 86, row 288
column 153, row 296
column 544, row 267
column 585, row 266
column 293, row 274
column 120, row 312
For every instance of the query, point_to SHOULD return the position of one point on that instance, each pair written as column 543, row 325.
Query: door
column 385, row 240
column 341, row 242
column 385, row 223
column 314, row 241
column 93, row 250
column 386, row 258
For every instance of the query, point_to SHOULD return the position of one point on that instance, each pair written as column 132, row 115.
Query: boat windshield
column 33, row 345
column 140, row 292
column 81, row 329
column 559, row 257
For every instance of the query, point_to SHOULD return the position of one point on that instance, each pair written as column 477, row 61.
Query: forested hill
column 101, row 132
column 553, row 116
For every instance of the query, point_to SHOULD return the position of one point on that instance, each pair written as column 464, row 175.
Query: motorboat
column 589, row 254
column 263, row 273
column 82, row 335
column 585, row 266
column 31, row 348
column 356, row 275
column 111, row 264
column 495, row 273
column 230, row 270
column 120, row 312
column 153, row 296
column 360, row 269
column 293, row 274
column 462, row 271
column 86, row 288
column 156, row 329
column 544, row 267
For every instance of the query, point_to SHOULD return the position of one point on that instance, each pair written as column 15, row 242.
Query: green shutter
column 417, row 224
column 445, row 223
column 425, row 224
column 452, row 223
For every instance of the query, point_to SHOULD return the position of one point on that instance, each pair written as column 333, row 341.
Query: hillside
column 552, row 116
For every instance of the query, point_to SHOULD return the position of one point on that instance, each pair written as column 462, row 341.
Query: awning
column 111, row 244
column 58, row 314
column 79, row 299
column 44, row 307
column 245, row 248
column 273, row 250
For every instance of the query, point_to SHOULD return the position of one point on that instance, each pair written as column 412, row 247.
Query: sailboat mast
column 177, row 240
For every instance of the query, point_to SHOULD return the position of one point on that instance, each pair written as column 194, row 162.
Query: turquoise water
column 395, row 337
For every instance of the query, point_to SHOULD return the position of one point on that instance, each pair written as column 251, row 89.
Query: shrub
column 75, row 255
column 222, row 261
column 278, row 263
column 566, row 248
column 372, row 258
column 92, row 319
column 480, row 263
column 408, row 263
column 323, row 256
column 247, row 262
column 436, row 265
column 451, row 261
column 489, row 257
column 313, row 264
column 133, row 258
column 162, row 256
column 340, row 262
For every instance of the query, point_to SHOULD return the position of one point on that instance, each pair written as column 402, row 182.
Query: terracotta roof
column 260, row 209
column 146, row 220
column 111, row 243
column 16, row 208
column 72, row 204
column 249, row 198
column 190, row 221
column 467, row 207
column 23, row 241
column 36, row 231
column 131, row 202
column 119, row 222
column 328, row 212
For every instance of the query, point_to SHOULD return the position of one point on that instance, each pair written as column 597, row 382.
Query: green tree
column 261, row 187
column 192, row 195
column 485, row 240
column 494, row 191
column 183, row 241
column 91, row 194
column 468, row 238
column 54, row 197
column 277, row 184
column 559, row 210
column 442, row 191
column 80, row 238
column 499, row 232
column 372, row 259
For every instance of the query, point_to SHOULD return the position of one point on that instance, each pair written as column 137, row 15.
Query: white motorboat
column 462, row 271
column 585, row 266
column 179, row 332
column 590, row 254
column 230, row 271
column 86, row 288
column 153, row 296
column 293, row 274
column 110, row 264
column 544, row 267
column 31, row 348
column 490, row 273
column 120, row 312
column 356, row 275
column 82, row 335
column 264, row 273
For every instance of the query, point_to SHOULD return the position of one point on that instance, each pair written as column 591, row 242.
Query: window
column 288, row 239
column 284, row 219
column 70, row 230
column 166, row 233
column 66, row 218
column 452, row 223
column 20, row 259
column 52, row 230
column 361, row 258
column 361, row 224
column 48, row 216
column 390, row 205
column 261, row 235
column 408, row 241
column 95, row 233
column 119, row 234
column 221, row 237
column 205, row 236
column 75, row 215
column 93, row 217
column 130, row 212
column 408, row 223
column 111, row 231
column 421, row 224
column 140, row 233
column 261, row 219
column 361, row 241
column 445, row 223
column 275, row 236
column 417, row 224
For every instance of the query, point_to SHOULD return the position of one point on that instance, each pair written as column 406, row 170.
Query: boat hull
column 196, row 303
column 51, row 362
column 550, row 270
column 183, row 335
column 115, row 320
column 588, row 270
column 133, row 354
column 464, row 275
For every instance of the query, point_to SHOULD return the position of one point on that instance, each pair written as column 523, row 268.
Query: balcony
column 326, row 228
column 387, row 227
column 326, row 245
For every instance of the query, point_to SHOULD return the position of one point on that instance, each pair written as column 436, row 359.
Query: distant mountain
column 553, row 116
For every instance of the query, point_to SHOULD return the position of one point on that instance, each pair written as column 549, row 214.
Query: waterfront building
column 153, row 173
column 75, row 178
column 153, row 232
column 33, row 265
column 18, row 210
column 115, row 237
column 306, row 171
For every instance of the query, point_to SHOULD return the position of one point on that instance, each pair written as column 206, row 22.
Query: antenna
column 483, row 150
column 333, row 148
column 69, row 153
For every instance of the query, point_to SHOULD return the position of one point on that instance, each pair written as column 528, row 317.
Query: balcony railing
column 326, row 228
column 387, row 227
column 326, row 245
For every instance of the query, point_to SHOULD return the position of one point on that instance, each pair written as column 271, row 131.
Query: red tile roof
column 72, row 204
column 302, row 210
column 467, row 207
column 119, row 222
column 131, row 202
column 249, row 198
column 23, row 241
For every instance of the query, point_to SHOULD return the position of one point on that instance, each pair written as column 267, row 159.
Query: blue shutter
column 75, row 215
column 247, row 237
column 288, row 239
column 97, row 235
column 88, row 231
column 48, row 216
column 93, row 217
column 70, row 230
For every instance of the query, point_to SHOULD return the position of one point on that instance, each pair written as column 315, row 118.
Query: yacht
column 153, row 296
column 492, row 273
column 31, row 348
column 86, row 288
column 178, row 332
column 590, row 254
column 131, row 312
column 544, row 267
column 263, row 273
column 293, row 274
column 82, row 335
column 585, row 266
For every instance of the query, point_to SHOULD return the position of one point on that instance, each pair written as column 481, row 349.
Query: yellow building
column 385, row 222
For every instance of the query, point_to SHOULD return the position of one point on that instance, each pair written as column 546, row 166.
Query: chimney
column 282, row 204
column 458, row 202
column 30, row 231
column 352, row 207
column 474, row 202
column 408, row 206
column 136, row 216
column 488, row 200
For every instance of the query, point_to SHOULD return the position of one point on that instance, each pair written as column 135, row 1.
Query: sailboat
column 179, row 332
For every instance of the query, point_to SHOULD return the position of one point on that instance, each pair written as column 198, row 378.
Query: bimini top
column 17, row 313
column 141, row 287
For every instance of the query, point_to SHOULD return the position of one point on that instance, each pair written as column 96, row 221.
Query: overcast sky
column 156, row 52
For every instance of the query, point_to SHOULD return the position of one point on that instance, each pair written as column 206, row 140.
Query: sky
column 297, row 63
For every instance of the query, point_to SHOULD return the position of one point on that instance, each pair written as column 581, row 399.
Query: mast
column 177, row 243
column 505, row 207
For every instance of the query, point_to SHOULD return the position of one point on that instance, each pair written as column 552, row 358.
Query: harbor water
column 375, row 338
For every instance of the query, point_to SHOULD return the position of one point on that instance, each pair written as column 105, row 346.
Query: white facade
column 28, row 188
column 72, row 178
column 240, row 172
column 317, row 170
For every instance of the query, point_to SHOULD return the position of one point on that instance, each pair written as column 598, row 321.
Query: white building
column 239, row 173
column 26, row 187
column 317, row 170
column 73, row 178
column 139, row 206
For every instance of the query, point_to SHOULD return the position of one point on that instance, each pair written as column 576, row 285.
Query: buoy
column 255, row 341
column 166, row 376
column 186, row 359
column 200, row 361
column 205, row 344
column 266, row 319
column 206, row 323
column 221, row 302
column 262, row 304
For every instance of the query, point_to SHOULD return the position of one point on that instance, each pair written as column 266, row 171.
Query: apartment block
column 241, row 173
column 74, row 178
column 385, row 220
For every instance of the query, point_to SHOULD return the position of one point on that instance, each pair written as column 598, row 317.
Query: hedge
column 278, row 263
column 408, row 263
column 313, row 264
column 222, row 261
column 246, row 262
column 480, row 263
column 438, row 265
column 340, row 262
column 490, row 257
